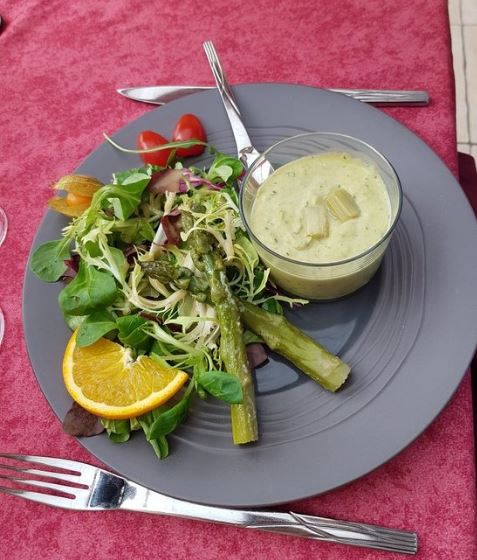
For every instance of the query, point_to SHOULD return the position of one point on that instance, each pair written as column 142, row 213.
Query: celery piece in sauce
column 342, row 205
column 316, row 221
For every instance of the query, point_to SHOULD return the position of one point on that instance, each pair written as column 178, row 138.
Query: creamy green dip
column 282, row 207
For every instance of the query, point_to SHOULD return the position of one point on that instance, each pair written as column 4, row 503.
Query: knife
column 159, row 95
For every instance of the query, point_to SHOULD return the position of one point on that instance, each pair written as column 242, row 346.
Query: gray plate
column 409, row 335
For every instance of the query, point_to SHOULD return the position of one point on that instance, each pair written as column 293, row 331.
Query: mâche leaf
column 120, row 176
column 119, row 260
column 126, row 195
column 89, row 291
column 94, row 327
column 134, row 230
column 168, row 421
column 159, row 444
column 225, row 169
column 48, row 260
column 221, row 385
column 118, row 431
column 73, row 321
column 131, row 332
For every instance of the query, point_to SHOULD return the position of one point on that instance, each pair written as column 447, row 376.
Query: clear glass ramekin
column 321, row 280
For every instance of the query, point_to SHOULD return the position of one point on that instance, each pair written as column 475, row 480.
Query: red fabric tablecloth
column 59, row 65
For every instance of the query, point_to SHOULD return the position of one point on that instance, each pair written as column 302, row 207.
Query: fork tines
column 65, row 479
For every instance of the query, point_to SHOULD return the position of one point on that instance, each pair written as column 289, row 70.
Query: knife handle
column 387, row 97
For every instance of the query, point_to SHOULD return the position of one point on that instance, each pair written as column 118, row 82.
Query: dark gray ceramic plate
column 409, row 335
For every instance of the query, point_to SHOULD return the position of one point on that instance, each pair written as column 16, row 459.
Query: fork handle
column 293, row 524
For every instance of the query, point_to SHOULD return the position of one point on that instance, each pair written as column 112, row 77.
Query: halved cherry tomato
column 189, row 127
column 149, row 139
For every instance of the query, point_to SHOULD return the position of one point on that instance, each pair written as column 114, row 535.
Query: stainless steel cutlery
column 78, row 486
column 160, row 95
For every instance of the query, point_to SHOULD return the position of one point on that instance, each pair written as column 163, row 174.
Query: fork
column 79, row 486
column 246, row 150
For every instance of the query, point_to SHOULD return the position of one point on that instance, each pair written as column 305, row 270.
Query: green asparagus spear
column 232, row 347
column 285, row 339
column 165, row 271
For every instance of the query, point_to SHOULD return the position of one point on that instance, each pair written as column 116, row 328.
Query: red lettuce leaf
column 178, row 181
column 79, row 422
column 256, row 354
column 172, row 227
column 170, row 180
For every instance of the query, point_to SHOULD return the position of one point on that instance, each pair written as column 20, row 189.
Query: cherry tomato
column 149, row 139
column 189, row 127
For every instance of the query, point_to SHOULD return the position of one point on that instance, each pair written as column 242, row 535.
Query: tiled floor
column 463, row 19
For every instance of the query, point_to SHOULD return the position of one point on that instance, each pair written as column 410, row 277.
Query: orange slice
column 105, row 380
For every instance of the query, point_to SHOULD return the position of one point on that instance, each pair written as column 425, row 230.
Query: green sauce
column 282, row 205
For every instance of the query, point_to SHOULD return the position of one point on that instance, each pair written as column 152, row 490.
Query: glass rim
column 322, row 264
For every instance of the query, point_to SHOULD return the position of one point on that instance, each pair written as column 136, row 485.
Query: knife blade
column 159, row 95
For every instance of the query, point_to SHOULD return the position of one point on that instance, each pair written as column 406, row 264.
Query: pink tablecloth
column 59, row 64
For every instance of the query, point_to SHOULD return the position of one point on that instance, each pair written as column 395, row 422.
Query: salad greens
column 166, row 268
column 48, row 261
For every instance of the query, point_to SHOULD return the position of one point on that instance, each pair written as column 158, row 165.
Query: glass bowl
column 320, row 280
